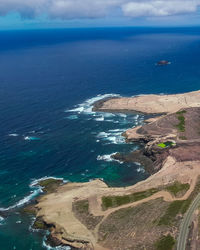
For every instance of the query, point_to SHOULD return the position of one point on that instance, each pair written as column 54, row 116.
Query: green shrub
column 165, row 243
column 115, row 201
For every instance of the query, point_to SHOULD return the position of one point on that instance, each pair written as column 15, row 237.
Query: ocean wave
column 86, row 107
column 13, row 135
column 107, row 158
column 100, row 119
column 25, row 200
column 31, row 138
column 112, row 136
column 48, row 247
column 72, row 117
column 140, row 169
column 37, row 189
column 35, row 182
column 1, row 220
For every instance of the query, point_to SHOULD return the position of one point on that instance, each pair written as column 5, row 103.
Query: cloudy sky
column 76, row 13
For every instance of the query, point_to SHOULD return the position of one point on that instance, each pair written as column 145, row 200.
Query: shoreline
column 158, row 104
column 168, row 141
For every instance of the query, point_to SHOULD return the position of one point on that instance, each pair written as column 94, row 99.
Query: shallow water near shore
column 48, row 83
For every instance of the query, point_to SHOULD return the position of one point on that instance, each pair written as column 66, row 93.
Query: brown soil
column 75, row 209
column 134, row 227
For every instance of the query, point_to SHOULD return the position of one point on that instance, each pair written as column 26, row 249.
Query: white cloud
column 69, row 9
column 159, row 7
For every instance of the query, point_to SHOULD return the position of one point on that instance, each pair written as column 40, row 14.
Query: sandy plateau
column 94, row 216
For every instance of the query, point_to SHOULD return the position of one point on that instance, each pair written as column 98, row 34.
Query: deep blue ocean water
column 48, row 82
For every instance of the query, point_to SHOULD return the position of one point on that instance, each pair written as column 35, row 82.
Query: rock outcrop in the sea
column 163, row 62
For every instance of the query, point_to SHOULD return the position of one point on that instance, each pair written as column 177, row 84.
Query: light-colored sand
column 56, row 207
column 154, row 104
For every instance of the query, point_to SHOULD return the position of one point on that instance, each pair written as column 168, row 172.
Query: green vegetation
column 115, row 201
column 181, row 118
column 175, row 208
column 49, row 185
column 166, row 144
column 81, row 211
column 183, row 137
column 165, row 243
column 178, row 207
column 178, row 187
column 162, row 145
column 29, row 210
column 81, row 206
column 39, row 224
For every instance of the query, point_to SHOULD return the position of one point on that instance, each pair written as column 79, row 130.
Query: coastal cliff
column 94, row 216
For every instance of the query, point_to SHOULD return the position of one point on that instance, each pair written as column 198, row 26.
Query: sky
column 26, row 14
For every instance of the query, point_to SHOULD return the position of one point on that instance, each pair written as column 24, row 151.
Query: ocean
column 49, row 80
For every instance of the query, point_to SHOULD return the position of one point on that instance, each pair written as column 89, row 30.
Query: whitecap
column 25, row 200
column 1, row 219
column 13, row 135
column 31, row 138
column 137, row 163
column 99, row 119
column 122, row 115
column 86, row 107
column 72, row 117
column 116, row 130
column 140, row 170
column 104, row 158
column 37, row 189
column 48, row 247
column 112, row 136
column 107, row 158
column 35, row 182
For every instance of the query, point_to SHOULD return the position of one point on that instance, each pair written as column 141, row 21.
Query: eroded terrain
column 148, row 214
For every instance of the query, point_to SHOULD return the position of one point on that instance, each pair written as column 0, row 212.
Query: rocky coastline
column 170, row 141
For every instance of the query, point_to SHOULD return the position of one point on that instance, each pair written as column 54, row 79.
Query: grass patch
column 162, row 145
column 178, row 207
column 177, row 187
column 81, row 211
column 166, row 144
column 181, row 118
column 115, row 201
column 40, row 224
column 165, row 243
column 181, row 112
column 49, row 185
column 175, row 208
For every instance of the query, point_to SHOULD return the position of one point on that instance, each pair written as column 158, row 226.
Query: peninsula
column 148, row 215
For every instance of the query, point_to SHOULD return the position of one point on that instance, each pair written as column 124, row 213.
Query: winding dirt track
column 56, row 207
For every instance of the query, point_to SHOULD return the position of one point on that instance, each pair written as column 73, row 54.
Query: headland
column 148, row 214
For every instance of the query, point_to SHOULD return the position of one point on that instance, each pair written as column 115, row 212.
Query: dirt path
column 161, row 194
column 56, row 208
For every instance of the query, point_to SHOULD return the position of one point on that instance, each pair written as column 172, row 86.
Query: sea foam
column 112, row 136
column 48, row 247
column 13, row 135
column 107, row 158
column 86, row 107
column 37, row 189
column 31, row 138
column 1, row 220
column 25, row 200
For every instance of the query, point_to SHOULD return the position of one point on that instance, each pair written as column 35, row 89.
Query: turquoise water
column 48, row 82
